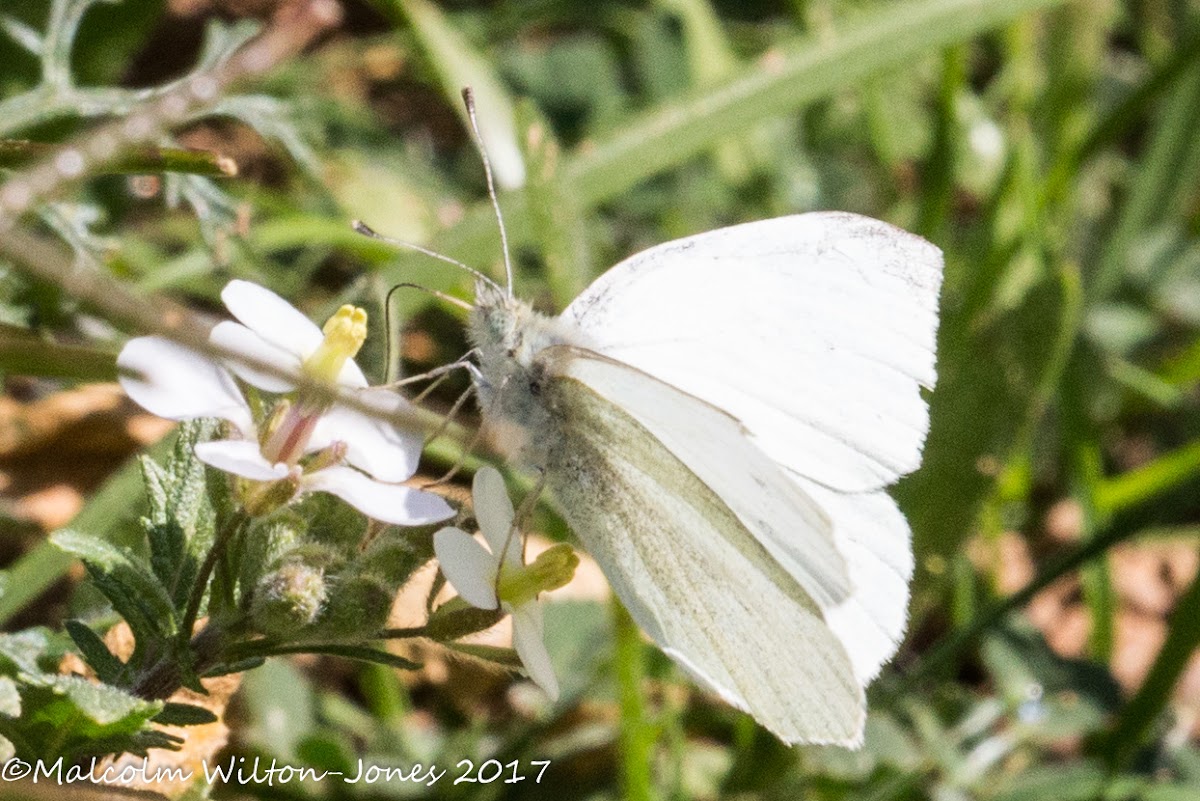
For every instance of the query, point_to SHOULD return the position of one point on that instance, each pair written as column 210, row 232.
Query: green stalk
column 637, row 734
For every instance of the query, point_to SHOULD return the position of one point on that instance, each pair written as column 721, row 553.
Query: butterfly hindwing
column 691, row 574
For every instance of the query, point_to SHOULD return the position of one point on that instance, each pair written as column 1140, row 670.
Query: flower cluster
column 301, row 444
column 281, row 442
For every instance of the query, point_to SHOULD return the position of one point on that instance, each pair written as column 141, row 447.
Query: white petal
column 387, row 452
column 529, row 638
column 468, row 566
column 241, row 458
column 180, row 384
column 352, row 375
column 494, row 511
column 391, row 503
column 240, row 339
column 272, row 318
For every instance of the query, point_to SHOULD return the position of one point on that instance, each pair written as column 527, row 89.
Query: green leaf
column 133, row 591
column 82, row 715
column 30, row 651
column 504, row 657
column 106, row 664
column 25, row 353
column 554, row 210
column 1072, row 697
column 69, row 716
column 180, row 524
column 1161, row 183
column 668, row 135
column 240, row 666
column 361, row 653
column 1148, row 481
column 175, row 714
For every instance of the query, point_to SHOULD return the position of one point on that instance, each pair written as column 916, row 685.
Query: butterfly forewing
column 815, row 331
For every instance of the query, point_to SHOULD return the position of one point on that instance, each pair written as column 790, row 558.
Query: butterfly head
column 508, row 334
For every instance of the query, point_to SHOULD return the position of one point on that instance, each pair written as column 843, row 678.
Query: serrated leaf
column 107, row 666
column 124, row 581
column 100, row 703
column 175, row 714
column 155, row 478
column 69, row 716
column 144, row 627
column 30, row 651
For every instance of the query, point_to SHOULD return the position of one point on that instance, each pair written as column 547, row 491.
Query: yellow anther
column 345, row 333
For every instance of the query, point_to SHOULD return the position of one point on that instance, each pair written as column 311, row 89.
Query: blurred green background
column 1049, row 148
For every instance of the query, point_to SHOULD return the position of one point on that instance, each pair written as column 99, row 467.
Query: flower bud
column 266, row 543
column 288, row 598
column 262, row 498
column 327, row 457
column 358, row 607
column 456, row 618
column 395, row 557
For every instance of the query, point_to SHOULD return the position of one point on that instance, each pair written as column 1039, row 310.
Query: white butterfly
column 718, row 418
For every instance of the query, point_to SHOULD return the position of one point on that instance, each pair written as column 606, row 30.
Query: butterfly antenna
column 389, row 367
column 469, row 99
column 366, row 230
column 466, row 452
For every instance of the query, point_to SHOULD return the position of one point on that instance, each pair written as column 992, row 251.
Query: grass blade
column 1183, row 638
column 666, row 136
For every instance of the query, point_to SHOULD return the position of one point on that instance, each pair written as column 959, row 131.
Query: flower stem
column 17, row 153
column 222, row 538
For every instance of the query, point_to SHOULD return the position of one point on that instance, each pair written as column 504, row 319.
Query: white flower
column 497, row 576
column 303, row 439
